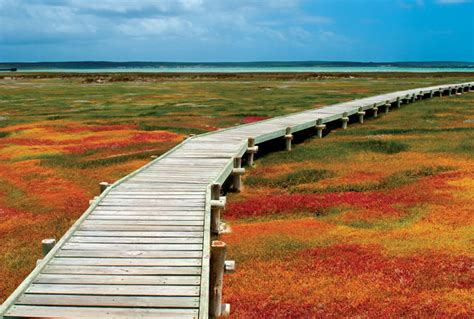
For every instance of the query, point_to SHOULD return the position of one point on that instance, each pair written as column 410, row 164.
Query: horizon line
column 257, row 61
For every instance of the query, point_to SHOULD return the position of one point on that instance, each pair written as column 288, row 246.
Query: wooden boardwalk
column 143, row 248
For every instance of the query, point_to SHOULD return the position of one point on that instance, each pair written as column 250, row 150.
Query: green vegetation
column 298, row 177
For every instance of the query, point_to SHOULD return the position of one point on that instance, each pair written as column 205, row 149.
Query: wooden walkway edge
column 147, row 246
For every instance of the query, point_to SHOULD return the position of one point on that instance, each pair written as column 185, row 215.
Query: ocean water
column 229, row 69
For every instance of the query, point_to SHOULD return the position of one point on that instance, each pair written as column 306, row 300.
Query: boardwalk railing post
column 431, row 94
column 387, row 107
column 375, row 109
column 47, row 245
column 237, row 173
column 288, row 138
column 103, row 186
column 217, row 204
column 216, row 280
column 361, row 114
column 345, row 120
column 413, row 97
column 320, row 127
column 399, row 102
column 251, row 150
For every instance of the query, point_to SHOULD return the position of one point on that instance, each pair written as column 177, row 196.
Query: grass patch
column 74, row 161
column 378, row 146
column 413, row 215
column 466, row 146
column 179, row 130
column 299, row 177
column 271, row 247
column 402, row 131
column 308, row 152
column 390, row 182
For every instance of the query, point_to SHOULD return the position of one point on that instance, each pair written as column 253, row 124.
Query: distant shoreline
column 98, row 67
column 149, row 76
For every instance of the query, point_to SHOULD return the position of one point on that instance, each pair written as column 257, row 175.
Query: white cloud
column 35, row 21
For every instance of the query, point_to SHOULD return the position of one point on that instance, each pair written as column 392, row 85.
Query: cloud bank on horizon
column 239, row 30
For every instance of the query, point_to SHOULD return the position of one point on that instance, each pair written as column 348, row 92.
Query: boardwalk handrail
column 226, row 147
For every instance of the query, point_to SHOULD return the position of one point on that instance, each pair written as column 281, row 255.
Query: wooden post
column 431, row 94
column 361, row 114
column 387, row 107
column 399, row 102
column 47, row 245
column 345, row 120
column 251, row 150
column 288, row 138
column 216, row 206
column 216, row 280
column 376, row 110
column 450, row 91
column 421, row 95
column 320, row 127
column 103, row 186
column 440, row 92
column 237, row 173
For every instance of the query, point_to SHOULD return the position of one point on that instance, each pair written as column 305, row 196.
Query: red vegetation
column 251, row 119
column 354, row 281
column 387, row 202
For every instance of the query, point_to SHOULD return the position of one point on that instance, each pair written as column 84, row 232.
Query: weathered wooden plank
column 98, row 312
column 116, row 279
column 148, row 234
column 114, row 270
column 114, row 216
column 140, row 228
column 162, row 202
column 86, row 246
column 130, row 253
column 147, row 209
column 137, row 222
column 127, row 290
column 108, row 301
column 86, row 261
column 136, row 240
column 193, row 215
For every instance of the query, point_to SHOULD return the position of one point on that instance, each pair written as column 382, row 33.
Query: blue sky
column 238, row 30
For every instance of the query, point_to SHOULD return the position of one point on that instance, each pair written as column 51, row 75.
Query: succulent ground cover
column 372, row 220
